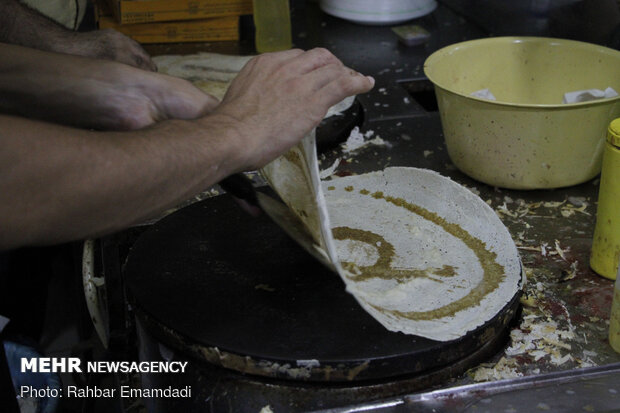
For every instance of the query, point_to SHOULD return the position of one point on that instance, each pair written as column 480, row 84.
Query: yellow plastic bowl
column 527, row 138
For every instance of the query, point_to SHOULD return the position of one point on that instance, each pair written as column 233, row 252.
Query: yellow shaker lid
column 613, row 133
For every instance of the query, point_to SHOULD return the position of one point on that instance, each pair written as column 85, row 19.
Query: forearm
column 41, row 84
column 26, row 27
column 23, row 26
column 60, row 184
column 91, row 93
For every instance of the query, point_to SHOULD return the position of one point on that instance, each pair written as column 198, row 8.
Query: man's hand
column 277, row 98
column 106, row 44
column 23, row 26
column 92, row 93
column 61, row 183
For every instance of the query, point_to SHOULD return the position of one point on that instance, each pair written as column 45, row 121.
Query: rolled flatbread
column 213, row 72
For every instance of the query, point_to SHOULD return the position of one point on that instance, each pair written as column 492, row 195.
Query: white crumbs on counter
column 473, row 189
column 504, row 369
column 357, row 140
column 326, row 173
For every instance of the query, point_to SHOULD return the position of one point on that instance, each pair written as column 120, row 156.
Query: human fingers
column 115, row 45
column 188, row 105
column 312, row 59
column 131, row 53
column 348, row 83
column 179, row 99
column 254, row 211
column 322, row 76
column 272, row 59
column 141, row 59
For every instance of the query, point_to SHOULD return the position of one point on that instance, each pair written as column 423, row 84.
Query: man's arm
column 59, row 183
column 90, row 93
column 26, row 27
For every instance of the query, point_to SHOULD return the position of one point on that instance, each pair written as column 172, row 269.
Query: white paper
column 588, row 95
column 483, row 94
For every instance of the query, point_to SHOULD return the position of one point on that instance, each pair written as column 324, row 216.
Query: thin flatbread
column 422, row 254
column 295, row 177
column 210, row 72
column 213, row 72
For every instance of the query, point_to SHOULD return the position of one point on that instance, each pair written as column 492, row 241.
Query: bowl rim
column 388, row 13
column 519, row 39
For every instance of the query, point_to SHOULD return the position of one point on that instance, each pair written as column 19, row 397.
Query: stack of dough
column 210, row 72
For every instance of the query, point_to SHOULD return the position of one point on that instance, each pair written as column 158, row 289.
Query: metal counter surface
column 585, row 390
column 565, row 317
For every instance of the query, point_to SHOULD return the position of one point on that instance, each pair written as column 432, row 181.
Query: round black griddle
column 234, row 290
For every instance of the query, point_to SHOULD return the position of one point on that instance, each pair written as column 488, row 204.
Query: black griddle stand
column 216, row 389
column 195, row 296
